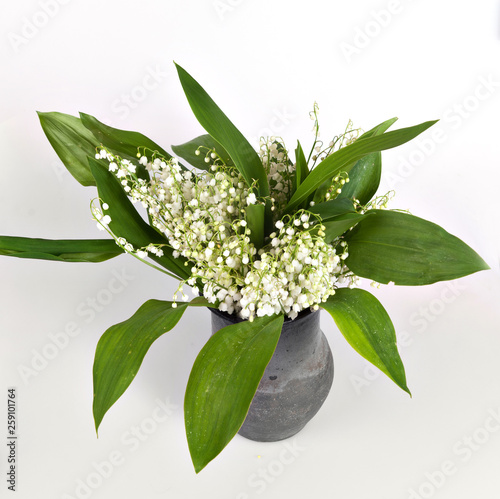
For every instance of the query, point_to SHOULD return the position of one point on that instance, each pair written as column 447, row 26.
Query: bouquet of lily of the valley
column 263, row 235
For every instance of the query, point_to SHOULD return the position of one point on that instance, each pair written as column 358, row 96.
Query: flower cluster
column 204, row 218
column 298, row 271
column 279, row 170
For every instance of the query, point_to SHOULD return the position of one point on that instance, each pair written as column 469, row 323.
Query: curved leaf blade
column 301, row 169
column 333, row 208
column 379, row 129
column 72, row 142
column 127, row 223
column 62, row 250
column 335, row 227
column 218, row 125
column 121, row 350
column 319, row 194
column 187, row 151
column 345, row 158
column 223, row 382
column 407, row 250
column 124, row 142
column 367, row 327
column 255, row 217
column 364, row 179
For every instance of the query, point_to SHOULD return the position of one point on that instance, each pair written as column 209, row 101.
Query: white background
column 265, row 63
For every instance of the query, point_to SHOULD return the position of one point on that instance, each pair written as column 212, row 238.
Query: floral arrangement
column 263, row 235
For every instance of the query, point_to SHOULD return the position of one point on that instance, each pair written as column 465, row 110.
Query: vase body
column 295, row 383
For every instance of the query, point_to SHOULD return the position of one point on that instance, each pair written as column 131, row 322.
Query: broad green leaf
column 216, row 123
column 335, row 227
column 200, row 301
column 188, row 150
column 320, row 193
column 407, row 250
column 127, row 223
column 364, row 179
column 255, row 217
column 63, row 250
column 123, row 142
column 333, row 208
column 367, row 327
column 72, row 142
column 122, row 348
column 345, row 158
column 301, row 169
column 223, row 382
column 379, row 129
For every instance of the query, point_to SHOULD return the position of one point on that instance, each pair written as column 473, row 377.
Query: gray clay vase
column 296, row 381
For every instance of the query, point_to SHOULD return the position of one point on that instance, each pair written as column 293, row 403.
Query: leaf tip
column 198, row 467
column 97, row 423
column 42, row 116
column 484, row 265
column 179, row 68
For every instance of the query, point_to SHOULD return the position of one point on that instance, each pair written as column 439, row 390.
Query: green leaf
column 188, row 150
column 223, row 382
column 345, row 158
column 379, row 129
column 367, row 327
column 335, row 227
column 63, row 250
column 127, row 223
column 301, row 169
column 122, row 348
column 255, row 216
column 364, row 179
column 407, row 250
column 216, row 123
column 201, row 301
column 122, row 142
column 72, row 142
column 333, row 208
column 320, row 192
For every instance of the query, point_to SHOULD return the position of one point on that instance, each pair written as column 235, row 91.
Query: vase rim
column 233, row 318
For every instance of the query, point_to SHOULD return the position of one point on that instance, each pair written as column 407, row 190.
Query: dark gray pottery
column 296, row 381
